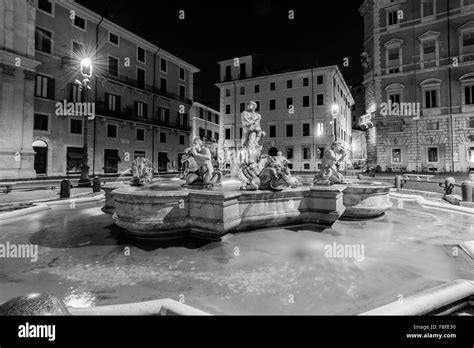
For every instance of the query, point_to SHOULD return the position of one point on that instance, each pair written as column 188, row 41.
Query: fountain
column 362, row 199
column 268, row 196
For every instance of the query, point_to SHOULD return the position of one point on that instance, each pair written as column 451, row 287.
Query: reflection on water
column 85, row 259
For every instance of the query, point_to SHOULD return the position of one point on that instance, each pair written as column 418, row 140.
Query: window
column 272, row 105
column 182, row 139
column 227, row 134
column 392, row 17
column 141, row 54
column 320, row 99
column 289, row 102
column 162, row 137
column 258, row 106
column 430, row 99
column 140, row 134
column 164, row 115
column 113, row 66
column 163, row 65
column 395, row 127
column 305, row 82
column 43, row 40
column 427, row 8
column 306, row 131
column 242, row 90
column 306, row 101
column 433, row 125
column 79, row 22
column 289, row 153
column 141, row 109
column 228, row 74
column 75, row 126
column 140, row 78
column 216, row 119
column 209, row 116
column 257, row 89
column 289, row 84
column 76, row 93
column 227, row 109
column 209, row 135
column 273, row 131
column 202, row 133
column 289, row 130
column 44, row 87
column 307, row 166
column 227, row 92
column 41, row 122
column 112, row 102
column 111, row 131
column 468, row 39
column 320, row 79
column 243, row 71
column 432, row 155
column 240, row 132
column 74, row 159
column 114, row 39
column 394, row 98
column 306, row 153
column 393, row 54
column 182, row 91
column 470, row 122
column 321, row 152
column 201, row 113
column 242, row 107
column 163, row 84
column 429, row 46
column 216, row 136
column 46, row 6
column 396, row 155
column 77, row 49
column 182, row 75
column 272, row 86
column 469, row 95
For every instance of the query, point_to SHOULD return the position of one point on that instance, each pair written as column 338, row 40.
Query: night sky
column 322, row 33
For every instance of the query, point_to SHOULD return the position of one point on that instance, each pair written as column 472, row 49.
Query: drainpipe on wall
column 451, row 119
column 95, row 97
column 153, row 108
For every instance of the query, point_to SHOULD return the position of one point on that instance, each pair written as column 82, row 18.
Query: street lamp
column 86, row 71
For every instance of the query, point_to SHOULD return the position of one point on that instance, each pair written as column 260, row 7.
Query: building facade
column 419, row 82
column 302, row 111
column 141, row 95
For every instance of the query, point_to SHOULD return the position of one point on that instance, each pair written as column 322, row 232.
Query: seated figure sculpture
column 329, row 174
column 142, row 172
column 199, row 169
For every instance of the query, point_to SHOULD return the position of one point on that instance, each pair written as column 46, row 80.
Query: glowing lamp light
column 86, row 67
column 335, row 109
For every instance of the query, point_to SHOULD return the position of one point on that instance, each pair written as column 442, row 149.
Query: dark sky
column 322, row 33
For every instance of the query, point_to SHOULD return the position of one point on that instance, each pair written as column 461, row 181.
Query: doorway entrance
column 163, row 161
column 41, row 157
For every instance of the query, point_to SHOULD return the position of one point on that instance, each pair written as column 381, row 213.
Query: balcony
column 140, row 85
column 171, row 124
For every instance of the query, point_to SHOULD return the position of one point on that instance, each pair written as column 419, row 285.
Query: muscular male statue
column 251, row 123
column 203, row 158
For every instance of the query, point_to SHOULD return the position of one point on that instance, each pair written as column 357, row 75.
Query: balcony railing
column 140, row 85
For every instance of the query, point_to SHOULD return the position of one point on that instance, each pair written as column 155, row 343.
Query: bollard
column 65, row 189
column 96, row 184
column 466, row 189
column 449, row 185
column 398, row 182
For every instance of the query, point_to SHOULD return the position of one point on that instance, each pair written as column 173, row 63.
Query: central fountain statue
column 257, row 171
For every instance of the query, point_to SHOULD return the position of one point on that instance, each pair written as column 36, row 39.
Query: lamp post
column 86, row 71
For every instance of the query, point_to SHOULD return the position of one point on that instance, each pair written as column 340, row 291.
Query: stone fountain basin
column 366, row 199
column 171, row 212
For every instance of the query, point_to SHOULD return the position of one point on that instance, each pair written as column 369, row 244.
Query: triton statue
column 329, row 175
